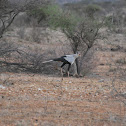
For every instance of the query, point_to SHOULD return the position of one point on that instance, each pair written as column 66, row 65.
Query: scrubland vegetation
column 32, row 93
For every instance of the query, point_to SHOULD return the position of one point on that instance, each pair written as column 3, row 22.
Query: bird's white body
column 71, row 58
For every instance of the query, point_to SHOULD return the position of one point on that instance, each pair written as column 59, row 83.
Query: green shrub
column 91, row 9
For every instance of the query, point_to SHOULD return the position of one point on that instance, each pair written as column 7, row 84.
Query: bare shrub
column 116, row 21
column 32, row 59
column 21, row 32
column 35, row 33
column 30, row 34
column 7, row 48
column 17, row 58
column 22, row 20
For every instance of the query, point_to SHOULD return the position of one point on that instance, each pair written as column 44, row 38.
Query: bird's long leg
column 62, row 70
column 68, row 73
column 68, row 70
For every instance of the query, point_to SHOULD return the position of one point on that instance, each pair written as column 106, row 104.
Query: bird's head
column 78, row 54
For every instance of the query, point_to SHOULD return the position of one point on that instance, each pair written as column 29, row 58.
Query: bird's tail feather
column 47, row 61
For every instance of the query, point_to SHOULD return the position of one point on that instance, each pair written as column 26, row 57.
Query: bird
column 66, row 59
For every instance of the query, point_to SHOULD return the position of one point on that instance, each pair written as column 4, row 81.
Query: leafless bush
column 35, row 33
column 31, row 60
column 21, row 32
column 22, row 20
column 30, row 34
column 116, row 21
column 25, row 59
column 7, row 48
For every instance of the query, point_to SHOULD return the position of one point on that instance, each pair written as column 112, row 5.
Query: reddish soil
column 36, row 100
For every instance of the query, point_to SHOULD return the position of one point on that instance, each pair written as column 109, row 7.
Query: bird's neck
column 75, row 55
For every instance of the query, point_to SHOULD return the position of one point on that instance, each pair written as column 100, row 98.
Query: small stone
column 102, row 80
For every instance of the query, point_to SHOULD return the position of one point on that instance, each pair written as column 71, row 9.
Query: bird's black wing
column 63, row 56
column 61, row 59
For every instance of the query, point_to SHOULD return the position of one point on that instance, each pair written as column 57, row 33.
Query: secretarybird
column 67, row 59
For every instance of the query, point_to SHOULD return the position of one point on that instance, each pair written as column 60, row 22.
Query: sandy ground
column 37, row 100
